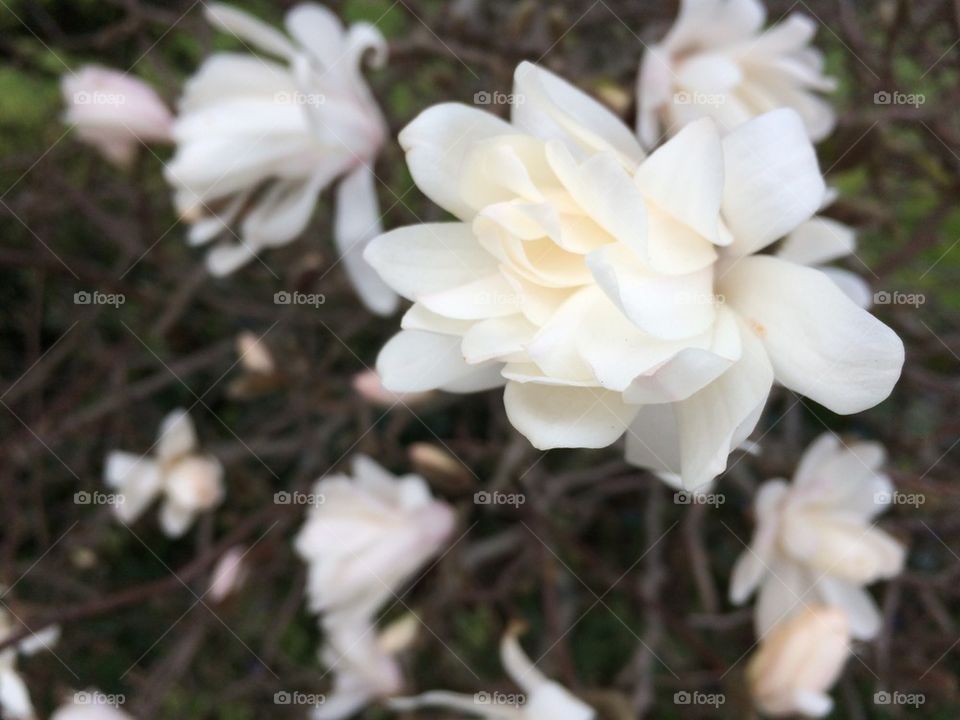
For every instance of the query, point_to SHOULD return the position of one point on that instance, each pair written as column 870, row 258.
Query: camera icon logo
column 681, row 697
column 282, row 297
column 282, row 498
column 882, row 97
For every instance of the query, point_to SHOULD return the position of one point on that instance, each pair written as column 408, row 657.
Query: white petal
column 820, row 343
column 518, row 666
column 14, row 696
column 357, row 220
column 708, row 23
column 282, row 213
column 226, row 258
column 437, row 142
column 248, row 28
column 177, row 435
column 786, row 591
column 851, row 285
column 413, row 361
column 666, row 306
column 862, row 612
column 497, row 338
column 709, row 73
column 317, row 29
column 175, row 519
column 490, row 296
column 685, row 177
column 138, row 481
column 428, row 258
column 818, row 241
column 772, row 180
column 554, row 417
column 553, row 109
column 754, row 563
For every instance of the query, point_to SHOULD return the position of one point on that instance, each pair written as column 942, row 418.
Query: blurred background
column 621, row 583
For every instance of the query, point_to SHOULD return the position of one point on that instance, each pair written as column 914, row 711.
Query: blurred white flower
column 798, row 663
column 114, row 112
column 542, row 699
column 191, row 483
column 608, row 290
column 79, row 709
column 15, row 701
column 255, row 356
column 816, row 540
column 718, row 62
column 362, row 662
column 258, row 140
column 367, row 535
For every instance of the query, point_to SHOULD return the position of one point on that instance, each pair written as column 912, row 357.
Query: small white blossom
column 189, row 482
column 718, row 62
column 15, row 703
column 816, row 540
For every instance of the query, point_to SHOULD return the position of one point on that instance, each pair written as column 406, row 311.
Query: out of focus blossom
column 541, row 699
column 798, row 662
column 90, row 705
column 718, row 62
column 362, row 661
column 258, row 139
column 254, row 355
column 189, row 482
column 816, row 541
column 228, row 574
column 15, row 701
column 114, row 112
column 368, row 534
column 606, row 290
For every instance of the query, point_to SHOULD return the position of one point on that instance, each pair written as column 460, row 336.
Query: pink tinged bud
column 228, row 574
column 114, row 112
column 254, row 355
column 369, row 386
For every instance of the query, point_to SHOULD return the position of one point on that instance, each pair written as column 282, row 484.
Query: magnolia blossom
column 15, row 701
column 798, row 662
column 189, row 482
column 717, row 62
column 114, row 112
column 367, row 535
column 259, row 138
column 363, row 662
column 228, row 574
column 542, row 698
column 80, row 709
column 816, row 540
column 608, row 290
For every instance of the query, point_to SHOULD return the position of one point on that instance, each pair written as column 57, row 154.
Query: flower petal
column 357, row 220
column 818, row 241
column 555, row 417
column 772, row 180
column 413, row 361
column 820, row 343
column 247, row 28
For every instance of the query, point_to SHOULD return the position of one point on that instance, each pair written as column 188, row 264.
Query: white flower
column 816, row 541
column 610, row 290
column 79, row 709
column 542, row 698
column 367, row 535
column 190, row 483
column 717, row 62
column 362, row 661
column 798, row 663
column 15, row 701
column 114, row 112
column 258, row 139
